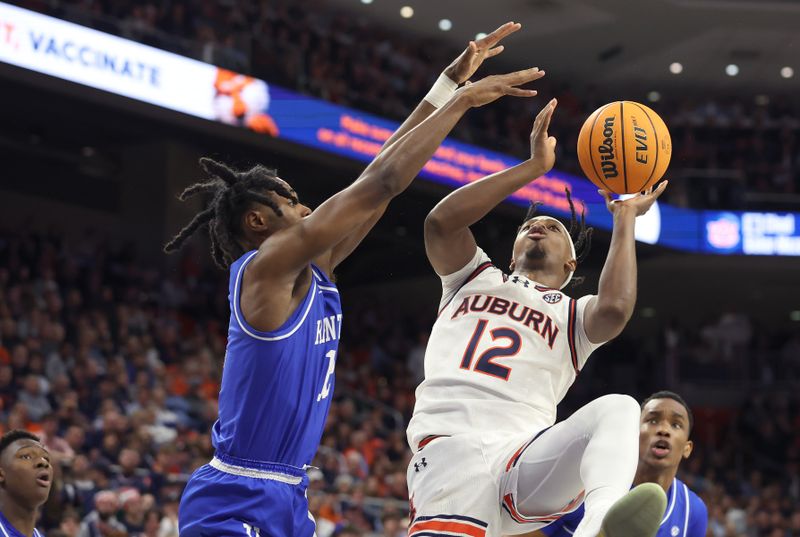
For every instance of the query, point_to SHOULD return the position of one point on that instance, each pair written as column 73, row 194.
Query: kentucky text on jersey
column 535, row 320
column 329, row 329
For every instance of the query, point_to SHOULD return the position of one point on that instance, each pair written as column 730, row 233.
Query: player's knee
column 619, row 408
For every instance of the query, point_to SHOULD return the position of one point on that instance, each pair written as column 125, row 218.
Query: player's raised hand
column 640, row 202
column 543, row 146
column 468, row 61
column 493, row 87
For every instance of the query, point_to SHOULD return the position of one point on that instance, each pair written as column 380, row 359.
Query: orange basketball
column 624, row 147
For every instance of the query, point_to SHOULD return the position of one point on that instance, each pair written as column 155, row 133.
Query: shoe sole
column 637, row 514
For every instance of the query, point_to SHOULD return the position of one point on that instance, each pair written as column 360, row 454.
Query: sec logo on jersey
column 552, row 298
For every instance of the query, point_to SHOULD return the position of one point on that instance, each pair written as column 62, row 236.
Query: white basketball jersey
column 501, row 355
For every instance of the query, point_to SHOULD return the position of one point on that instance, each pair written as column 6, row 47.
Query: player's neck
column 663, row 477
column 22, row 518
column 540, row 276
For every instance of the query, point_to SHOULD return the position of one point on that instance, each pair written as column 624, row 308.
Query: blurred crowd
column 734, row 153
column 116, row 366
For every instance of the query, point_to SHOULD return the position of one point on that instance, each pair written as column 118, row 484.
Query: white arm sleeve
column 451, row 283
column 584, row 347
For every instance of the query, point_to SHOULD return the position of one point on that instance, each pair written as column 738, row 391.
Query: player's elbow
column 604, row 324
column 433, row 222
column 376, row 185
column 615, row 314
column 436, row 223
column 387, row 181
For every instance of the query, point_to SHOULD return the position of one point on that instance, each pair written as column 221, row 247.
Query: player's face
column 541, row 238
column 664, row 434
column 292, row 209
column 26, row 472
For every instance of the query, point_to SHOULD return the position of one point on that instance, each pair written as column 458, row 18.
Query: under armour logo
column 419, row 464
column 517, row 279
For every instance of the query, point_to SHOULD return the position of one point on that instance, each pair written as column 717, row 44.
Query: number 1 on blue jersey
column 326, row 387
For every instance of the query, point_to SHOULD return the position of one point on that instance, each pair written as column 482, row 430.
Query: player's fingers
column 495, row 51
column 550, row 108
column 543, row 119
column 606, row 195
column 518, row 92
column 660, row 189
column 522, row 77
column 501, row 32
column 537, row 123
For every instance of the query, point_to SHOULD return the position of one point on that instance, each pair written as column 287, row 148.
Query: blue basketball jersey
column 686, row 516
column 277, row 386
column 7, row 530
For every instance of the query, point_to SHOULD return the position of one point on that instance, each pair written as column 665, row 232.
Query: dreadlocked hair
column 233, row 192
column 580, row 234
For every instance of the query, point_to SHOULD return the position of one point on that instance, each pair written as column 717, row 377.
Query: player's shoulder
column 479, row 268
column 697, row 507
column 243, row 259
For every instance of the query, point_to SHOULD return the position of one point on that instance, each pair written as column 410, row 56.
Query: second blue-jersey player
column 665, row 425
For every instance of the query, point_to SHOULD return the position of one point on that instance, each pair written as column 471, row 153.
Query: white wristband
column 441, row 91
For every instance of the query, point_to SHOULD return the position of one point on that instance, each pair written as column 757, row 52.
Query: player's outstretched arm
column 448, row 241
column 289, row 250
column 607, row 314
column 458, row 72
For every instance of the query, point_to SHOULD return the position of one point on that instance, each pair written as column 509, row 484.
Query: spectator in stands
column 57, row 446
column 34, row 399
column 103, row 522
column 134, row 513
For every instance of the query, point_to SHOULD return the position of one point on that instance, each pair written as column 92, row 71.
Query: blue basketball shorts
column 235, row 497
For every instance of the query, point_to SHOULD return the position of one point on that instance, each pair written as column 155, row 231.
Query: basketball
column 624, row 147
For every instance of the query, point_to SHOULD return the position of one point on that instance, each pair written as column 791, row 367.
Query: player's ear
column 256, row 220
column 2, row 477
column 511, row 265
column 687, row 449
column 571, row 265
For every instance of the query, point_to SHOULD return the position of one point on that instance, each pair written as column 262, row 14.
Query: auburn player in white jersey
column 488, row 459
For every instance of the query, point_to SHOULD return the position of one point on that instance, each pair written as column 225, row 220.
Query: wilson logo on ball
column 606, row 150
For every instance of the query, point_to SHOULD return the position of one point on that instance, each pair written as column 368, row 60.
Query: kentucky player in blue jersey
column 285, row 322
column 666, row 423
column 26, row 476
